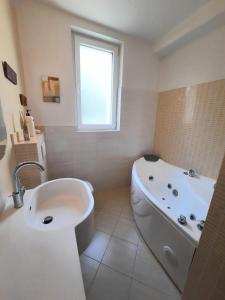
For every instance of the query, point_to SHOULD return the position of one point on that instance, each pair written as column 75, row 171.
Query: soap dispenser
column 30, row 124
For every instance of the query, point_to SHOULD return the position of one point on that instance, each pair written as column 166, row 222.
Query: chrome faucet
column 18, row 190
column 192, row 173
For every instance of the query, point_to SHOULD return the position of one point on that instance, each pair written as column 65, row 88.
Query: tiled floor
column 117, row 264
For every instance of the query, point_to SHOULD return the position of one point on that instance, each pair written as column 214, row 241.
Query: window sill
column 97, row 130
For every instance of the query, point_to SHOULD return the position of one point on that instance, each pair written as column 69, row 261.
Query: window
column 97, row 84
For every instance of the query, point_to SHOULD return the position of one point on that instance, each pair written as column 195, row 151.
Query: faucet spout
column 19, row 191
column 192, row 173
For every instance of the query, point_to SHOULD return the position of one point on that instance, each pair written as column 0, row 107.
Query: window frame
column 104, row 45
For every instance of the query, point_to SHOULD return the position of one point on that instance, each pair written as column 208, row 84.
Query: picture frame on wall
column 50, row 89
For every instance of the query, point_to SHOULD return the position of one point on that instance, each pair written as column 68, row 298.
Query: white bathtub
column 160, row 193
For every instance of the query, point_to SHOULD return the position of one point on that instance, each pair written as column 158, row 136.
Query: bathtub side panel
column 173, row 250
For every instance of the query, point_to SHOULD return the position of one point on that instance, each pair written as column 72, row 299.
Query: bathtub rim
column 152, row 200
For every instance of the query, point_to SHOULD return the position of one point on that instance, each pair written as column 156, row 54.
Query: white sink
column 66, row 201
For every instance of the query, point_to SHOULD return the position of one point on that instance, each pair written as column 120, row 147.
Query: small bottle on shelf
column 26, row 132
column 30, row 124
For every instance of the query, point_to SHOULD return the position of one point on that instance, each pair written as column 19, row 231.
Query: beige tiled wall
column 207, row 275
column 33, row 150
column 190, row 127
column 104, row 158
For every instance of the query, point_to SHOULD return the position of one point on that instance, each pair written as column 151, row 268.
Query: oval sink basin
column 59, row 203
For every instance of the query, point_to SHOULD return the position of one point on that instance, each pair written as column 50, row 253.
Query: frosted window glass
column 96, row 66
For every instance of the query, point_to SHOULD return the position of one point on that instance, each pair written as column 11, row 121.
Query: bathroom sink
column 59, row 203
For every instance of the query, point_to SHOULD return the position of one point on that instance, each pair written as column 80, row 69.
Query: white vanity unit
column 39, row 260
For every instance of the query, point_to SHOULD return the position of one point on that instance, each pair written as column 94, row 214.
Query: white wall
column 9, row 93
column 103, row 158
column 201, row 60
column 45, row 35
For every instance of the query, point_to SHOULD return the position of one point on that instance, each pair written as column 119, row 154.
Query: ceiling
column 147, row 19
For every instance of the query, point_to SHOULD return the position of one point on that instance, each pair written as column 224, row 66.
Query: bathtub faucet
column 192, row 173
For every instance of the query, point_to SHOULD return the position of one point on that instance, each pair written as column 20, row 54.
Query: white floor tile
column 126, row 230
column 125, row 253
column 112, row 201
column 109, row 285
column 120, row 256
column 89, row 268
column 105, row 222
column 98, row 246
column 141, row 292
column 113, row 206
column 127, row 212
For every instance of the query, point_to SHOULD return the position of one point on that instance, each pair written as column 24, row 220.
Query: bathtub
column 161, row 194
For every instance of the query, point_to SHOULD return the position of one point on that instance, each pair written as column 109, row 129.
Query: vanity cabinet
column 34, row 149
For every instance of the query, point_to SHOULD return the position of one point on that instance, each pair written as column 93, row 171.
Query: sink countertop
column 37, row 265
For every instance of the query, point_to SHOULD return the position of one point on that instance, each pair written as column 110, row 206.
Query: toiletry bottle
column 24, row 126
column 30, row 124
column 26, row 132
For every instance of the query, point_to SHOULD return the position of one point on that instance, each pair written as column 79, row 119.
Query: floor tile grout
column 119, row 238
column 129, row 291
column 111, row 268
column 100, row 262
column 129, row 276
column 119, row 217
column 126, row 275
column 93, row 279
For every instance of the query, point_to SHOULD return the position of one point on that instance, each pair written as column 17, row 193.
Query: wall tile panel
column 104, row 158
column 190, row 127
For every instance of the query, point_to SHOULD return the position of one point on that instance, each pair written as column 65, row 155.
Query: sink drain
column 47, row 220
